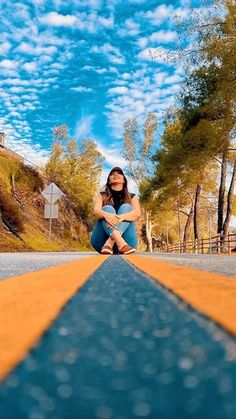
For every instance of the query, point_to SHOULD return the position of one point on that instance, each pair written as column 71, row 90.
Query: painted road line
column 29, row 303
column 213, row 295
column 125, row 347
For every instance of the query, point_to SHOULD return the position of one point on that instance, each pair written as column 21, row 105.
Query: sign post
column 51, row 193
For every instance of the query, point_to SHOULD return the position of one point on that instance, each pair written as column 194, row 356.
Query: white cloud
column 112, row 53
column 142, row 42
column 118, row 90
column 22, row 145
column 112, row 155
column 57, row 66
column 126, row 76
column 56, row 19
column 165, row 13
column 90, row 22
column 11, row 64
column 160, row 77
column 121, row 82
column 5, row 47
column 83, row 127
column 15, row 89
column 81, row 89
column 116, row 60
column 173, row 79
column 30, row 67
column 171, row 90
column 87, row 67
column 45, row 59
column 160, row 14
column 147, row 91
column 181, row 13
column 31, row 49
column 101, row 70
column 145, row 54
column 97, row 70
column 163, row 36
column 8, row 72
column 160, row 55
column 131, row 28
column 14, row 81
column 106, row 22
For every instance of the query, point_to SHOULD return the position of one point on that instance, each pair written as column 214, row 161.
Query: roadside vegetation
column 76, row 171
column 187, row 183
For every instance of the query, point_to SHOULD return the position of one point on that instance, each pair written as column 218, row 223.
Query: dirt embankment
column 22, row 212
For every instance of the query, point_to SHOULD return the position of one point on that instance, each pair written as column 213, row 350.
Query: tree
column 216, row 79
column 200, row 131
column 181, row 172
column 137, row 152
column 76, row 170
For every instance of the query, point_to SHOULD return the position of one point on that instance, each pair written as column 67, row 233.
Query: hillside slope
column 22, row 205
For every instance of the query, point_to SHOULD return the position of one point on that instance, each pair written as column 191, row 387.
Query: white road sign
column 52, row 193
column 51, row 211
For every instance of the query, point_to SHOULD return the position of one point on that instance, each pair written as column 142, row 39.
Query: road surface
column 117, row 337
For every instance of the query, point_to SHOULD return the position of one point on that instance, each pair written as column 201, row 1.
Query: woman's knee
column 125, row 207
column 108, row 208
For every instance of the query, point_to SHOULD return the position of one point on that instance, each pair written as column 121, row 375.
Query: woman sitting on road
column 116, row 210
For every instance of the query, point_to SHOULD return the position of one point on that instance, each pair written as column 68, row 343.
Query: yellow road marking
column 212, row 294
column 29, row 303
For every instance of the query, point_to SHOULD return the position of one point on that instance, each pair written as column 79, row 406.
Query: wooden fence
column 211, row 245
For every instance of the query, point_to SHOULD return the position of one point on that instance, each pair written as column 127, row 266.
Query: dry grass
column 68, row 233
column 11, row 211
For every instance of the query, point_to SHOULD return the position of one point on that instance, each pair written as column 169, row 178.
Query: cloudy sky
column 85, row 64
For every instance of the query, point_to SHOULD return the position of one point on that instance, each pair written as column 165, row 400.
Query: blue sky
column 85, row 64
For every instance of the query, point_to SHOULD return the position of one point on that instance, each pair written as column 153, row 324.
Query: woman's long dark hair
column 107, row 193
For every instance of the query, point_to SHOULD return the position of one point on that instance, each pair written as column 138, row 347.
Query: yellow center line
column 29, row 303
column 212, row 294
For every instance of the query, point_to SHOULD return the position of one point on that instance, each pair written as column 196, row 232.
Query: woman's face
column 116, row 177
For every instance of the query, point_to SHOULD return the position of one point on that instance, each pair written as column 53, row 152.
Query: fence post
column 229, row 247
column 218, row 244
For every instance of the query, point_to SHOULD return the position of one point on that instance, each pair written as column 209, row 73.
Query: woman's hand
column 121, row 217
column 112, row 220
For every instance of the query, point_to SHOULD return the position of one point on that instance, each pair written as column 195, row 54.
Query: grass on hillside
column 34, row 241
column 35, row 231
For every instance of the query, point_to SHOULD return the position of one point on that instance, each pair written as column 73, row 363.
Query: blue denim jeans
column 101, row 232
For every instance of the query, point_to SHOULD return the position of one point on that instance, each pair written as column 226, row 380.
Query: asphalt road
column 222, row 264
column 124, row 347
column 18, row 263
